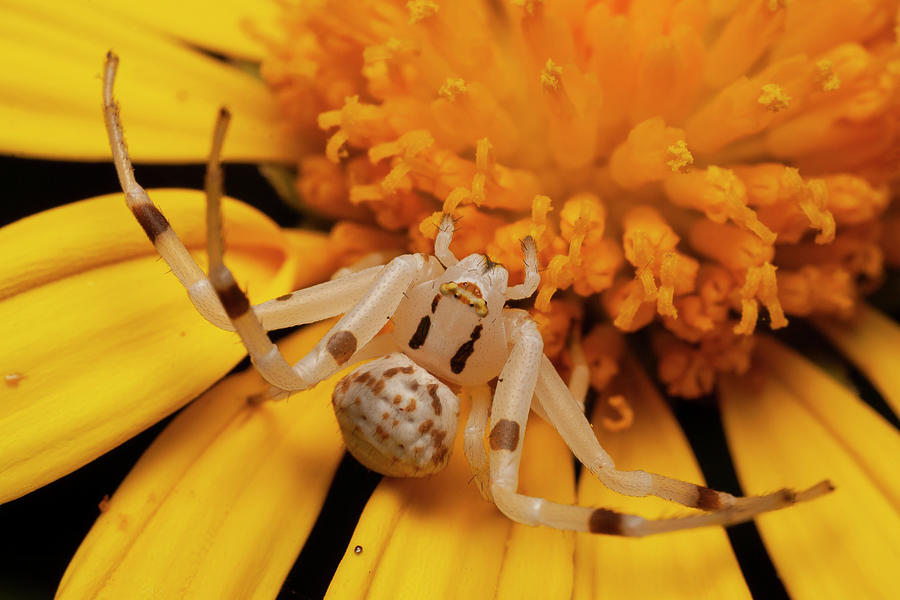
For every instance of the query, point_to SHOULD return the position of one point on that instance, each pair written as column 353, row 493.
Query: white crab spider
column 398, row 412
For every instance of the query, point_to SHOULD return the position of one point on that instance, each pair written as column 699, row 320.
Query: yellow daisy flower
column 694, row 172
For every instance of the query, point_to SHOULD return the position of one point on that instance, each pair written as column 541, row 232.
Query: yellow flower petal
column 846, row 544
column 871, row 341
column 103, row 337
column 862, row 432
column 696, row 563
column 51, row 55
column 437, row 538
column 222, row 502
column 233, row 28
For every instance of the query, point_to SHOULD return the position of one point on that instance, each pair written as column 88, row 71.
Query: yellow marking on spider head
column 467, row 293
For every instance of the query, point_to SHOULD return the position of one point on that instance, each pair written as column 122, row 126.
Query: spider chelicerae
column 398, row 412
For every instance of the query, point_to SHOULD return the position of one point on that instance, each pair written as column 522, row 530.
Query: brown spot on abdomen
column 436, row 405
column 394, row 370
column 341, row 346
column 505, row 435
column 707, row 498
column 234, row 301
column 605, row 521
column 153, row 221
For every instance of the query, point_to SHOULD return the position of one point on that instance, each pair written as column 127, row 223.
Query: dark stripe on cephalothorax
column 341, row 346
column 708, row 499
column 434, row 303
column 418, row 338
column 505, row 435
column 458, row 362
column 234, row 301
column 153, row 221
column 605, row 521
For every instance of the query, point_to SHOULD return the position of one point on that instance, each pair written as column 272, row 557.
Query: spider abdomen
column 397, row 418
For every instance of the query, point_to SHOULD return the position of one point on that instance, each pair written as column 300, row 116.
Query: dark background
column 40, row 532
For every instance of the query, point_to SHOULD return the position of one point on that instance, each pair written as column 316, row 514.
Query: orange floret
column 556, row 323
column 625, row 303
column 690, row 370
column 760, row 286
column 649, row 245
column 603, row 347
column 720, row 195
column 855, row 249
column 322, row 186
column 824, row 290
column 767, row 135
column 750, row 31
column 734, row 248
column 651, row 152
column 786, row 203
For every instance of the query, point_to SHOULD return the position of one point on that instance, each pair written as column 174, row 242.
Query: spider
column 398, row 412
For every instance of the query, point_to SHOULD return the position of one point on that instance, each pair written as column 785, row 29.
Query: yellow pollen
column 760, row 284
column 421, row 9
column 550, row 75
column 625, row 414
column 452, row 87
column 826, row 77
column 773, row 97
column 681, row 157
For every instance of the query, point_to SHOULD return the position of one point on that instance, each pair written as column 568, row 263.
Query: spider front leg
column 723, row 508
column 305, row 306
column 512, row 399
column 473, row 446
column 219, row 294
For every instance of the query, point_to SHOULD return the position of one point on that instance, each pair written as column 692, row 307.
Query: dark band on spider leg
column 341, row 346
column 234, row 301
column 153, row 221
column 606, row 521
column 505, row 435
column 708, row 499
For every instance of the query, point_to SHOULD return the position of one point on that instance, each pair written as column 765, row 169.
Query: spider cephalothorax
column 397, row 413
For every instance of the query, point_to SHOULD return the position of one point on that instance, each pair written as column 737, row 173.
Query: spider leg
column 352, row 333
column 567, row 416
column 508, row 418
column 532, row 275
column 580, row 377
column 442, row 241
column 305, row 306
column 473, row 446
column 385, row 285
